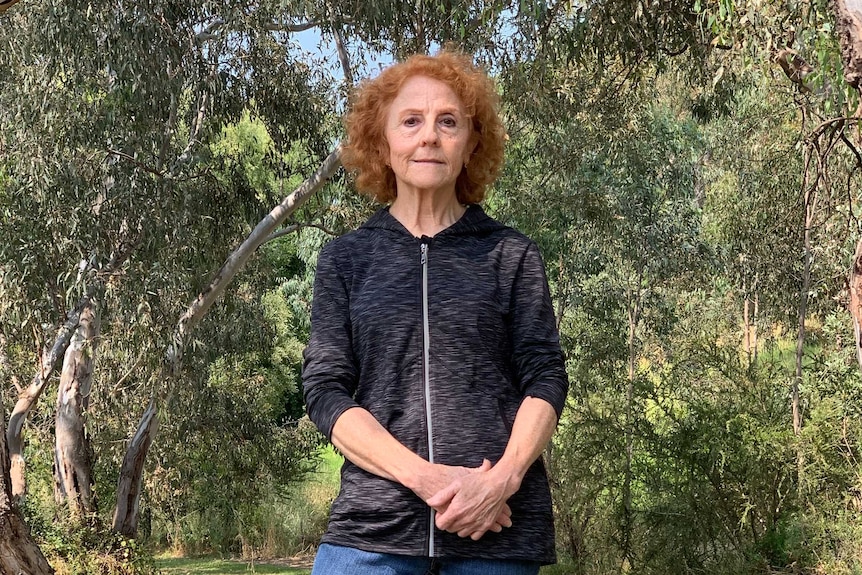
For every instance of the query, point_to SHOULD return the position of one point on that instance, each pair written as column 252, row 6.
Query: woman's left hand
column 475, row 502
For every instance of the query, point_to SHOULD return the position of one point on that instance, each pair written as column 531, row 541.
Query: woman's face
column 430, row 136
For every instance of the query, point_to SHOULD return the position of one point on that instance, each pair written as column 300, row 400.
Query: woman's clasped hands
column 469, row 501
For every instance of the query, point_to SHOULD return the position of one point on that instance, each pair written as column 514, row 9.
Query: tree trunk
column 749, row 313
column 848, row 20
column 746, row 319
column 18, row 552
column 28, row 398
column 131, row 474
column 754, row 320
column 72, row 453
column 809, row 205
column 856, row 299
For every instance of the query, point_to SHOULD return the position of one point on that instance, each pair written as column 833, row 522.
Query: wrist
column 510, row 476
column 410, row 476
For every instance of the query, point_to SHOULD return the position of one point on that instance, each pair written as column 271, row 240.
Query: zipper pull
column 423, row 259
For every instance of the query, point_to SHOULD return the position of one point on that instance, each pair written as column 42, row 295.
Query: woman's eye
column 448, row 122
column 411, row 121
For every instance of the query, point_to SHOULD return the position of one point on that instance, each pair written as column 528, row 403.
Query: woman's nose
column 429, row 134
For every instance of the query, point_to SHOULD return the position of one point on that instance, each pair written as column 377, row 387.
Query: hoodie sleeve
column 329, row 370
column 537, row 357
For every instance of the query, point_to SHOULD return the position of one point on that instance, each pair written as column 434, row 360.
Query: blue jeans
column 338, row 560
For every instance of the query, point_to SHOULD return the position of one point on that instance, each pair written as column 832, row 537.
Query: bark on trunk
column 810, row 203
column 72, row 452
column 848, row 19
column 132, row 473
column 856, row 299
column 18, row 552
column 754, row 322
column 28, row 398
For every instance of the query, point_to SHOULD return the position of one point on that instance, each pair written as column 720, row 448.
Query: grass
column 330, row 466
column 214, row 566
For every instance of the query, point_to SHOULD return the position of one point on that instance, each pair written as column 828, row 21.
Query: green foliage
column 238, row 431
column 665, row 217
column 89, row 550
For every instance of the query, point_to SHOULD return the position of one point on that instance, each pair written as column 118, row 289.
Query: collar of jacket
column 474, row 220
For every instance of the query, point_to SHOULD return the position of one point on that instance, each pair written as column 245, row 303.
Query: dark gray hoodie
column 440, row 339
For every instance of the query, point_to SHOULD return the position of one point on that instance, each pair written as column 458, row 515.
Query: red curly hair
column 367, row 151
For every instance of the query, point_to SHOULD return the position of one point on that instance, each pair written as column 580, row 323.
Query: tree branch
column 237, row 259
column 6, row 4
column 136, row 162
column 342, row 53
column 818, row 131
column 283, row 27
column 855, row 151
column 193, row 136
column 794, row 67
column 210, row 32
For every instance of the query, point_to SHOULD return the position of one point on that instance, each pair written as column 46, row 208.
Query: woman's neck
column 426, row 215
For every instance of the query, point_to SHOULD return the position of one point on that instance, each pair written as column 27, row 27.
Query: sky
column 312, row 42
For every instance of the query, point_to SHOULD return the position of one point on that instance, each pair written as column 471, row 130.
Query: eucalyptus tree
column 607, row 184
column 803, row 40
column 18, row 551
column 73, row 469
column 109, row 167
column 20, row 554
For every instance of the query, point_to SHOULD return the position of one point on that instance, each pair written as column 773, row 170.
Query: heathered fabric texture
column 493, row 341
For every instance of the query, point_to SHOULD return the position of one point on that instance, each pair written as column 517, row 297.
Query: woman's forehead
column 422, row 92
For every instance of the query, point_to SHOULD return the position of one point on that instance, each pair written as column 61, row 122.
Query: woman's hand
column 475, row 503
column 440, row 477
column 434, row 477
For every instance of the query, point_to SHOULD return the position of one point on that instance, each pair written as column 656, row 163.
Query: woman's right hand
column 436, row 477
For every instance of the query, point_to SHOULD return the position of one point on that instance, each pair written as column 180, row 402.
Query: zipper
column 426, row 349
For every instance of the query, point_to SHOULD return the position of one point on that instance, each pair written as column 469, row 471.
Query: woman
column 434, row 363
